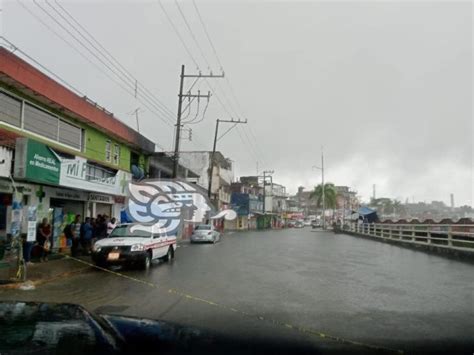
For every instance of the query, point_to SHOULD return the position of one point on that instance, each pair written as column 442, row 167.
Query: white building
column 222, row 177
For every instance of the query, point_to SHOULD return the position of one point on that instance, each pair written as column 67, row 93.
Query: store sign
column 7, row 186
column 75, row 173
column 100, row 198
column 36, row 162
column 67, row 194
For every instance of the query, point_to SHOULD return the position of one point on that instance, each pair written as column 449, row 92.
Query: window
column 98, row 173
column 116, row 154
column 70, row 134
column 10, row 109
column 40, row 122
column 108, row 148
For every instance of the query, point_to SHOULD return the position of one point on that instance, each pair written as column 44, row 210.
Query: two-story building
column 161, row 167
column 247, row 201
column 62, row 153
column 222, row 174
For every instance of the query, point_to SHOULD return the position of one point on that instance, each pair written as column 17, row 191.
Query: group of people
column 84, row 234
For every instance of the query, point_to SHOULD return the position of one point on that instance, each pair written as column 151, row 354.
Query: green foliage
column 330, row 195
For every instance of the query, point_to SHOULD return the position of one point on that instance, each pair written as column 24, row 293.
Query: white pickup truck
column 134, row 243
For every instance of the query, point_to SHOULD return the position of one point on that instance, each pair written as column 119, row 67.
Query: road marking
column 301, row 329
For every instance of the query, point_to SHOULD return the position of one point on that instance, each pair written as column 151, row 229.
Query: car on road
column 205, row 233
column 299, row 224
column 134, row 244
column 307, row 223
column 315, row 224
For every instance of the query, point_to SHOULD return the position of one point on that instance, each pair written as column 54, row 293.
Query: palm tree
column 329, row 195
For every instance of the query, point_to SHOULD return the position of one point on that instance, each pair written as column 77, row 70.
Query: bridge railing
column 450, row 236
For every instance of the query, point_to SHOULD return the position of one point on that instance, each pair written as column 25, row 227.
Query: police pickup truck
column 136, row 244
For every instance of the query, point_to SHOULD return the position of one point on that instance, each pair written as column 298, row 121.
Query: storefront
column 6, row 199
column 101, row 204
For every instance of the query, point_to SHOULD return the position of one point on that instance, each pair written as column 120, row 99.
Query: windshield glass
column 203, row 227
column 126, row 231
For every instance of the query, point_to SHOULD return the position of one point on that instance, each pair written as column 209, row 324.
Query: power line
column 207, row 35
column 132, row 80
column 228, row 130
column 192, row 34
column 232, row 91
column 178, row 34
column 50, row 72
column 85, row 57
column 112, row 59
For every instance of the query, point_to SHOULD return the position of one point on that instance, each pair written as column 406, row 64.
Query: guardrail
column 455, row 237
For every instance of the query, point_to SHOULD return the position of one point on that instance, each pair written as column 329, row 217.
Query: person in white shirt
column 111, row 225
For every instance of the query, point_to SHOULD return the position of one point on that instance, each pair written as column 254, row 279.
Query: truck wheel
column 169, row 255
column 147, row 261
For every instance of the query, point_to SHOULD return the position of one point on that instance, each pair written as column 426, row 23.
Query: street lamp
column 322, row 184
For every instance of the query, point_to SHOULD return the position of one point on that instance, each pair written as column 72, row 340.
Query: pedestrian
column 111, row 226
column 43, row 237
column 102, row 227
column 97, row 226
column 75, row 229
column 87, row 233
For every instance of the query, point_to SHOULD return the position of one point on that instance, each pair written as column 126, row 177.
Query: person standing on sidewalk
column 86, row 237
column 43, row 237
column 101, row 227
column 111, row 226
column 76, row 235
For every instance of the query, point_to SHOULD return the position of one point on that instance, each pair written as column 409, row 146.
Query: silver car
column 205, row 233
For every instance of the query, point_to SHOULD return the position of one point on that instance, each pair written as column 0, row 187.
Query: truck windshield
column 129, row 231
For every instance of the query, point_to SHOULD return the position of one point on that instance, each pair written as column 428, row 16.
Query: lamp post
column 322, row 186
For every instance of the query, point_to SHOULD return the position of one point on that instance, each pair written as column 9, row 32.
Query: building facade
column 247, row 201
column 222, row 174
column 60, row 153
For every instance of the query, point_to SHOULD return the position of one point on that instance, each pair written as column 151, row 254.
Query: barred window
column 108, row 151
column 70, row 134
column 10, row 109
column 116, row 154
column 40, row 122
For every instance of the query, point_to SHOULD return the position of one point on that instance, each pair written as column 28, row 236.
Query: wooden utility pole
column 265, row 174
column 180, row 104
column 211, row 163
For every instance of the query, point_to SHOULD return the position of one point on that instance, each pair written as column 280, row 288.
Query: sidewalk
column 58, row 266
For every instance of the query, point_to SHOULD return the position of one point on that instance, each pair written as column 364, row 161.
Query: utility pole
column 180, row 104
column 322, row 186
column 324, row 197
column 211, row 163
column 265, row 172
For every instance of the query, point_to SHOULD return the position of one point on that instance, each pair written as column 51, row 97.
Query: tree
column 329, row 195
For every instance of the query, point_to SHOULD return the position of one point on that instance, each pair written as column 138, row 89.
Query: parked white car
column 205, row 233
column 134, row 244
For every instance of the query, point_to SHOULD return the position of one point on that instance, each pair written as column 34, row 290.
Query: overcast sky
column 385, row 87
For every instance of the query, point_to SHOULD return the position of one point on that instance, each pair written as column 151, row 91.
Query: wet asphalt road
column 288, row 284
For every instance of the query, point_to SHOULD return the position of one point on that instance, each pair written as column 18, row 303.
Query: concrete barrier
column 447, row 239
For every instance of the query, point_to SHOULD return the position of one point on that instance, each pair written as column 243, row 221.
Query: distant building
column 161, row 167
column 346, row 198
column 222, row 175
column 247, row 201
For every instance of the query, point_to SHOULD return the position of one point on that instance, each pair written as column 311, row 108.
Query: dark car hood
column 50, row 328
